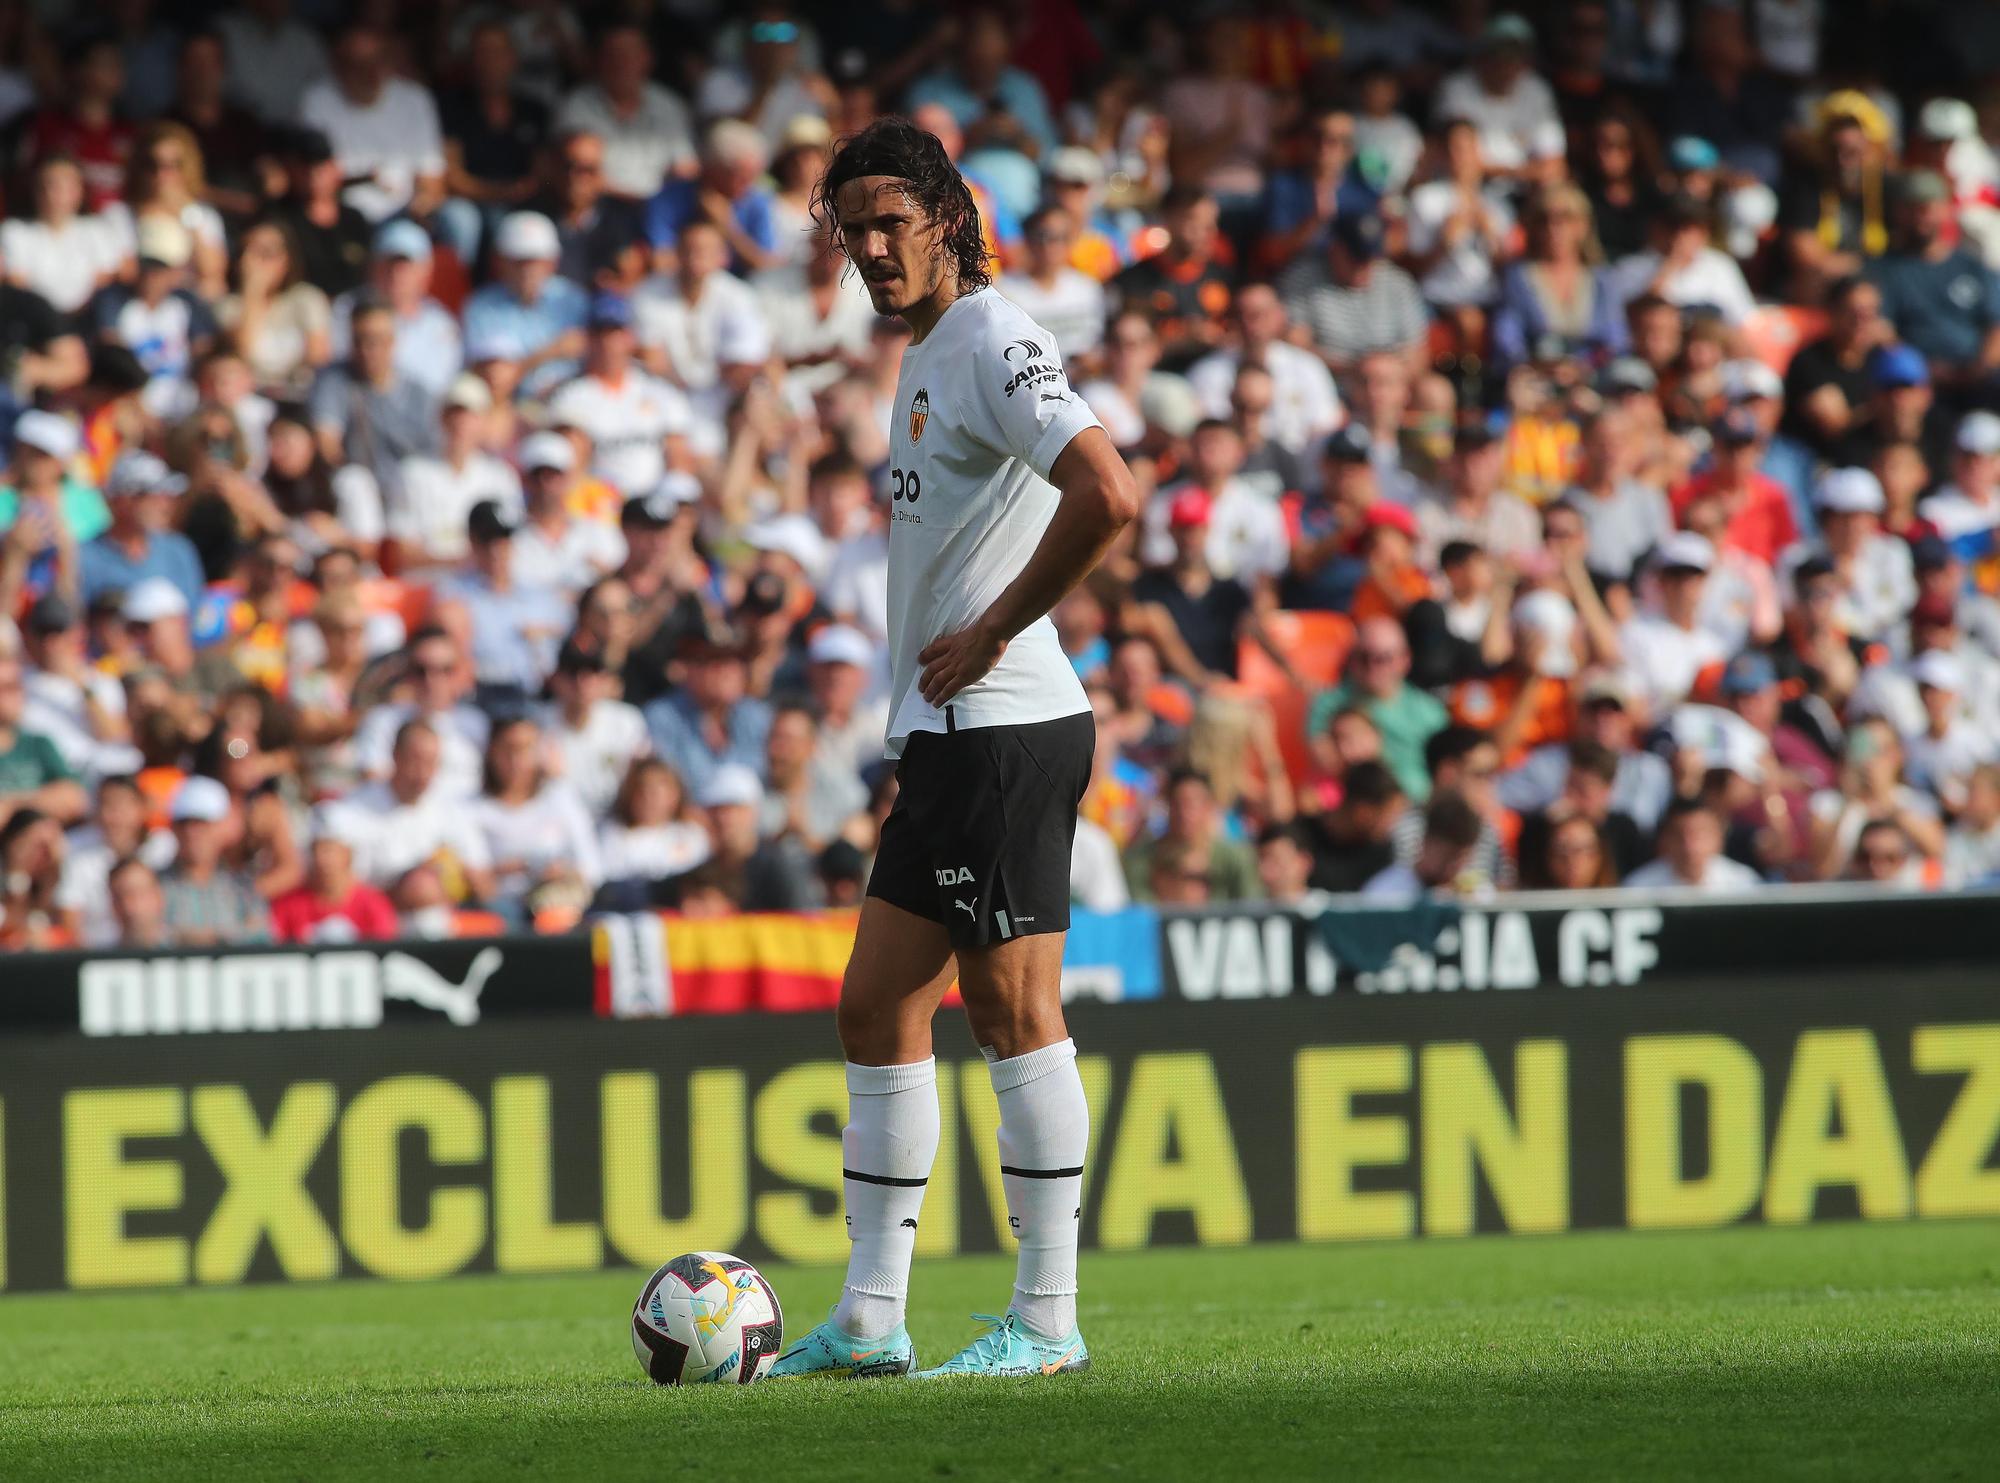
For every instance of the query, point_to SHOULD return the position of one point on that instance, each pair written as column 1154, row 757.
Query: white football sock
column 1044, row 1130
column 887, row 1147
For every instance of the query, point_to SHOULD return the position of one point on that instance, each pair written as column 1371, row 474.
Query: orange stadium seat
column 1775, row 332
column 1318, row 645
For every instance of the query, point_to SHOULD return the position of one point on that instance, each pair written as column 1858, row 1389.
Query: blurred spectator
column 646, row 130
column 1876, row 580
column 711, row 721
column 491, row 131
column 139, row 907
column 1463, row 761
column 1502, row 95
column 59, row 253
column 159, row 316
column 812, row 793
column 1691, row 857
column 439, row 679
column 399, row 275
column 1943, row 301
column 1666, row 646
column 1870, row 789
column 33, row 773
column 207, row 903
column 78, row 707
column 700, row 327
column 1191, row 843
column 333, row 236
column 754, row 873
column 86, row 124
column 326, row 504
column 514, row 626
column 1184, row 288
column 1353, row 301
column 277, row 321
column 770, row 80
column 1571, row 855
column 1305, row 405
column 440, row 491
column 332, row 904
column 1625, row 518
column 365, row 411
column 139, row 541
column 1067, row 303
column 1285, row 867
column 1301, row 205
column 1972, row 847
column 231, row 141
column 1681, row 268
column 1377, row 681
column 384, row 129
column 593, row 736
column 1829, row 388
column 166, row 182
column 1883, row 857
column 601, row 236
column 273, row 58
column 647, row 839
column 1446, row 845
column 413, row 835
column 726, row 195
column 1471, row 506
column 997, row 105
column 537, row 832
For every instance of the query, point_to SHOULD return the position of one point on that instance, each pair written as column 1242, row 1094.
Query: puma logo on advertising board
column 271, row 991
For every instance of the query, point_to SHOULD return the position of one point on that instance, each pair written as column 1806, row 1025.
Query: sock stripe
column 1042, row 1173
column 888, row 1179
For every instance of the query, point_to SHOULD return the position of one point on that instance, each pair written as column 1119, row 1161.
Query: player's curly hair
column 897, row 148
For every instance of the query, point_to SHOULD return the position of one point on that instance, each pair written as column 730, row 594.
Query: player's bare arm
column 1099, row 499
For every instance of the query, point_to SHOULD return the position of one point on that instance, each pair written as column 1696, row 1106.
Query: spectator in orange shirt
column 1525, row 704
column 1394, row 580
column 1758, row 511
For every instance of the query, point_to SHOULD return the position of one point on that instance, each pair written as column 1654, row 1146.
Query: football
column 706, row 1318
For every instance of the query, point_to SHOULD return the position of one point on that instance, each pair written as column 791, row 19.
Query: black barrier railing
column 566, row 1145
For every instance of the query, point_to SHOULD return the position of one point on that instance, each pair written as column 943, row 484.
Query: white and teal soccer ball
column 707, row 1318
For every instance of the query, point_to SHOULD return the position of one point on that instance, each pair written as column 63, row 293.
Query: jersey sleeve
column 1017, row 399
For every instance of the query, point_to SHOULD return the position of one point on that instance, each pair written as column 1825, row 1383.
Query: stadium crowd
column 446, row 484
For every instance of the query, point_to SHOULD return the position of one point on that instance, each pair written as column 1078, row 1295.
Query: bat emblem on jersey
column 920, row 413
column 1027, row 347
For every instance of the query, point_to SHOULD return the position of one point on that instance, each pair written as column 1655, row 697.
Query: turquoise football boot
column 1011, row 1348
column 829, row 1351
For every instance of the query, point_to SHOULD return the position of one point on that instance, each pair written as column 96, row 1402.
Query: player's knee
column 869, row 1031
column 1016, row 1026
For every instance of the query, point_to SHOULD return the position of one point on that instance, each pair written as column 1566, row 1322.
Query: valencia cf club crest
column 920, row 413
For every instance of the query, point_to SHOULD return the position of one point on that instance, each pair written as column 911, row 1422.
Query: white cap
column 336, row 822
column 141, row 473
column 528, row 236
column 470, row 391
column 795, row 536
column 1745, row 379
column 742, row 340
column 1979, row 432
column 1947, row 118
column 548, row 451
column 837, row 643
column 199, row 798
column 677, row 486
column 1685, row 549
column 165, row 241
column 1722, row 739
column 1937, row 670
column 153, row 599
column 731, row 783
column 1550, row 615
column 1075, row 163
column 1849, row 492
column 48, row 433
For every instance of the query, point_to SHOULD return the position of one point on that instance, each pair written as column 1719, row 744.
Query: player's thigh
column 1013, row 993
column 897, row 974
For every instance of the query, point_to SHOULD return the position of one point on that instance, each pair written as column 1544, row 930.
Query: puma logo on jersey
column 964, row 908
column 1050, row 396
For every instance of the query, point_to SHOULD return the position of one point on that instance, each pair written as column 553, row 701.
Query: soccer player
column 1004, row 493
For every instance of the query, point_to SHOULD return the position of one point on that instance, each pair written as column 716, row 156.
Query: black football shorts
column 980, row 835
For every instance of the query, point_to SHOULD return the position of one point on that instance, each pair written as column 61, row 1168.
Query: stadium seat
column 1775, row 332
column 1318, row 645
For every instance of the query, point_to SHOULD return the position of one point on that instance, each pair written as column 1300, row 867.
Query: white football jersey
column 628, row 426
column 982, row 412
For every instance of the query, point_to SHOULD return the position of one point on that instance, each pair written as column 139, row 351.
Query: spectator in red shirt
column 332, row 904
column 1759, row 513
column 85, row 125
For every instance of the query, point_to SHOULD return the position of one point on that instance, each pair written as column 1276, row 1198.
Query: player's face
column 891, row 241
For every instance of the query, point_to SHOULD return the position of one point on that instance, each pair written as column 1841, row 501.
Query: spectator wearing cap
column 1833, row 208
column 1352, row 301
column 1905, row 409
column 1941, row 576
column 639, row 616
column 1892, row 691
column 1877, row 584
column 333, row 237
column 140, row 542
column 332, row 904
column 1829, row 385
column 1505, row 99
column 437, row 681
column 1305, row 404
column 529, row 315
column 1392, row 582
column 602, row 236
column 1944, row 754
column 440, row 490
column 753, row 872
column 1195, row 616
column 1186, row 286
column 206, row 902
column 1247, row 539
column 428, row 350
column 1750, row 689
column 71, row 701
column 637, row 424
column 841, row 665
column 512, row 626
column 710, row 720
column 700, row 326
column 1966, row 511
column 647, row 131
column 44, row 512
column 492, row 130
column 1665, row 644
column 158, row 316
column 412, row 833
column 1756, row 510
column 1942, row 299
column 728, row 194
column 1377, row 682
column 1691, row 857
column 383, row 128
column 1625, row 517
column 1066, row 302
column 1471, row 506
column 1073, row 182
column 553, row 546
column 593, row 736
column 1682, row 269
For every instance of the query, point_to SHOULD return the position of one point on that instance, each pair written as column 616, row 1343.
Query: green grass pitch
column 1862, row 1351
